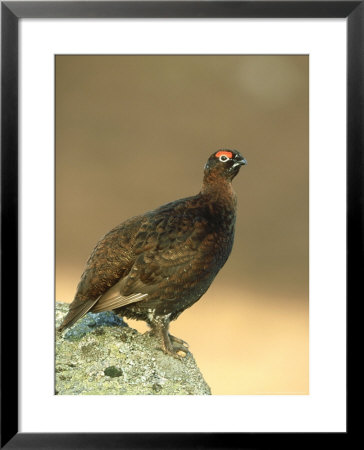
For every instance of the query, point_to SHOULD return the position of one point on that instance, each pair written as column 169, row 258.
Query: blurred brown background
column 134, row 132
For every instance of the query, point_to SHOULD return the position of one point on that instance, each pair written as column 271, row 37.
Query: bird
column 153, row 266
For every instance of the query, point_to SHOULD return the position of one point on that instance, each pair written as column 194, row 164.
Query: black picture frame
column 11, row 12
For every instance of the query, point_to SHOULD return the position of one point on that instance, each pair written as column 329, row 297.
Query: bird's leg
column 170, row 345
column 160, row 331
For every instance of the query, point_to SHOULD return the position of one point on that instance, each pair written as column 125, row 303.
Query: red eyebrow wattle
column 228, row 154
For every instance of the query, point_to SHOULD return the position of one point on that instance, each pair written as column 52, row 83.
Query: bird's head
column 224, row 163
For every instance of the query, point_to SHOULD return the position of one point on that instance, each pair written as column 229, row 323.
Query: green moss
column 113, row 372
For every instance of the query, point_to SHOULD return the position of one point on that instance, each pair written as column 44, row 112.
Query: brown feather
column 74, row 314
column 117, row 302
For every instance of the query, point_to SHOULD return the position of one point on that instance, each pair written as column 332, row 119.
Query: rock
column 102, row 355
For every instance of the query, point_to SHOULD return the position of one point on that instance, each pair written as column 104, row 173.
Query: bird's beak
column 240, row 162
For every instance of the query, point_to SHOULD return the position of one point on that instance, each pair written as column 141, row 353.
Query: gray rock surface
column 102, row 355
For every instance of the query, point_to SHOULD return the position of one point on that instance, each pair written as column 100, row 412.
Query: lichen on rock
column 102, row 355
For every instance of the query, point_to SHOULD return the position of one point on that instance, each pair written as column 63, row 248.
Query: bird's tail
column 76, row 312
column 105, row 302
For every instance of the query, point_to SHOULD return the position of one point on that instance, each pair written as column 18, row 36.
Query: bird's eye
column 223, row 158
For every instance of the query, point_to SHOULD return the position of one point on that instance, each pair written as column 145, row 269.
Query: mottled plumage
column 154, row 266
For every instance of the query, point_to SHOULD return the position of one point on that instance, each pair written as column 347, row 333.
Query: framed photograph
column 232, row 99
column 112, row 109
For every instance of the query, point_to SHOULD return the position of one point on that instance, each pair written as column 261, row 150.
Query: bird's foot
column 174, row 347
column 179, row 345
column 177, row 340
column 173, row 353
column 175, row 350
column 170, row 345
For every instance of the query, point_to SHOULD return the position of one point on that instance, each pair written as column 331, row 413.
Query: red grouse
column 154, row 266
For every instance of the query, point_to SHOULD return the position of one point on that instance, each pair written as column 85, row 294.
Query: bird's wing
column 112, row 299
column 172, row 249
column 109, row 262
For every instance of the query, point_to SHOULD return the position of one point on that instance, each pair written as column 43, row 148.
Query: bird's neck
column 218, row 190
